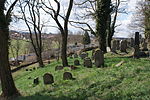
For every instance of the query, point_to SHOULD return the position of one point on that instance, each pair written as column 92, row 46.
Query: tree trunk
column 64, row 50
column 40, row 60
column 8, row 86
column 102, row 13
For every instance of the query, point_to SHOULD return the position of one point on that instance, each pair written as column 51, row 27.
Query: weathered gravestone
column 49, row 62
column 75, row 55
column 87, row 62
column 123, row 46
column 59, row 68
column 132, row 42
column 144, row 46
column 99, row 58
column 26, row 69
column 113, row 46
column 36, row 81
column 72, row 67
column 83, row 55
column 136, row 52
column 117, row 44
column 48, row 78
column 67, row 76
column 137, row 39
column 76, row 62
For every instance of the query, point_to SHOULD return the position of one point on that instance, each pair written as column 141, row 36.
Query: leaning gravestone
column 113, row 46
column 76, row 62
column 123, row 46
column 48, row 78
column 99, row 58
column 36, row 81
column 67, row 76
column 87, row 62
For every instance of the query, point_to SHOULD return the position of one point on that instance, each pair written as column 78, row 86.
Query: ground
column 130, row 81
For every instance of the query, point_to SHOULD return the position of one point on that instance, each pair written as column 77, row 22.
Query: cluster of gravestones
column 49, row 78
column 97, row 56
column 139, row 46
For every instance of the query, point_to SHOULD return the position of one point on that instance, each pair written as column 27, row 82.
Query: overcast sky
column 123, row 19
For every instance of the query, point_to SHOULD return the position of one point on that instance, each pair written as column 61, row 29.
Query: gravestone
column 123, row 46
column 76, row 62
column 99, row 58
column 49, row 62
column 113, row 46
column 117, row 44
column 30, row 69
column 87, row 62
column 136, row 52
column 36, row 81
column 83, row 55
column 132, row 42
column 59, row 68
column 48, row 78
column 75, row 55
column 137, row 39
column 34, row 68
column 26, row 69
column 144, row 46
column 72, row 67
column 67, row 76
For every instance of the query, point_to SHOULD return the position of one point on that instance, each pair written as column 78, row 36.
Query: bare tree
column 63, row 27
column 34, row 25
column 8, row 86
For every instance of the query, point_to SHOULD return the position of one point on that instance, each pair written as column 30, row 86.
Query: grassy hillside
column 131, row 81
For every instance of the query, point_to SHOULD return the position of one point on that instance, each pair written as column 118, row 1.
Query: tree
column 140, row 20
column 55, row 15
column 34, row 25
column 8, row 86
column 111, row 22
column 102, row 13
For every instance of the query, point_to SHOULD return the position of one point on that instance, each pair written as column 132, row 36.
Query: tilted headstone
column 76, row 62
column 87, row 62
column 67, row 76
column 99, row 58
column 48, row 78
column 123, row 46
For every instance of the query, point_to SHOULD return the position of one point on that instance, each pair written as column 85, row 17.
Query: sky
column 121, row 31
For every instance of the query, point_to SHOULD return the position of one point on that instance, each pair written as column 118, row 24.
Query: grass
column 131, row 81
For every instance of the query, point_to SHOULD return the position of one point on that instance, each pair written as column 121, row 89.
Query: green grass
column 131, row 81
